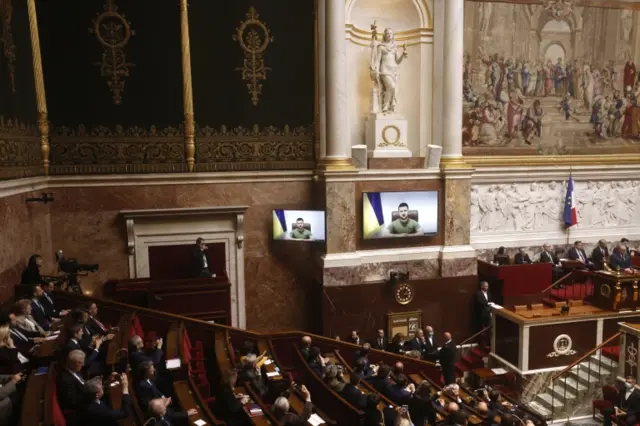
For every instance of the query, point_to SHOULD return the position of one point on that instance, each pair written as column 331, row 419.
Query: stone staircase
column 571, row 395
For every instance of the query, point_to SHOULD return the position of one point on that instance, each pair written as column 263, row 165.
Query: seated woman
column 250, row 373
column 24, row 320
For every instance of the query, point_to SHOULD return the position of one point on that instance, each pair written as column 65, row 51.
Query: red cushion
column 56, row 411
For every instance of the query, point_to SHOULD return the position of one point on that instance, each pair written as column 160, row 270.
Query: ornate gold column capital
column 454, row 163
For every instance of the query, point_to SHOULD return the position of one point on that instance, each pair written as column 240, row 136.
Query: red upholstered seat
column 609, row 397
column 56, row 412
column 197, row 351
column 137, row 327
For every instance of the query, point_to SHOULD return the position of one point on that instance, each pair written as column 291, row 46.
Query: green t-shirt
column 409, row 226
column 301, row 234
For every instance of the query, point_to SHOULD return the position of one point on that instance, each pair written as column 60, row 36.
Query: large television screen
column 299, row 225
column 399, row 214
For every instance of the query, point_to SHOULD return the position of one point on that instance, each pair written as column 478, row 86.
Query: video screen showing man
column 300, row 232
column 404, row 225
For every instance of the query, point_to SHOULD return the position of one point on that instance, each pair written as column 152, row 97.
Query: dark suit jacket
column 255, row 379
column 447, row 355
column 227, row 403
column 9, row 363
column 416, row 344
column 91, row 353
column 137, row 357
column 103, row 415
column 428, row 347
column 198, row 262
column 482, row 309
column 38, row 313
column 71, row 394
column 31, row 276
column 398, row 395
column 620, row 261
column 305, row 353
column 292, row 419
column 573, row 254
column 24, row 346
column 49, row 304
column 94, row 327
column 546, row 257
column 422, row 411
column 354, row 396
column 381, row 385
column 376, row 344
column 146, row 391
column 598, row 258
column 518, row 259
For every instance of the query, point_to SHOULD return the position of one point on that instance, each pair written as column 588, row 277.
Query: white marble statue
column 539, row 206
column 485, row 16
column 626, row 19
column 386, row 58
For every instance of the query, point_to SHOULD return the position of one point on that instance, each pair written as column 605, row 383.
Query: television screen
column 399, row 214
column 299, row 225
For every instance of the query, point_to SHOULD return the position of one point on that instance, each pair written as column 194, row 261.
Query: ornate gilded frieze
column 254, row 37
column 9, row 47
column 19, row 149
column 117, row 150
column 113, row 31
column 255, row 148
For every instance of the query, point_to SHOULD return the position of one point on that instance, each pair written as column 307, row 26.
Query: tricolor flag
column 570, row 215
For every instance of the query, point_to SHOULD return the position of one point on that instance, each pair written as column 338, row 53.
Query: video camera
column 71, row 266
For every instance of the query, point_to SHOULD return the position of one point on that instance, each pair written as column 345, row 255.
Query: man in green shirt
column 300, row 232
column 404, row 225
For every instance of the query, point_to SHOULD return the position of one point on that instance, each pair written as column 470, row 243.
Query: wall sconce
column 44, row 199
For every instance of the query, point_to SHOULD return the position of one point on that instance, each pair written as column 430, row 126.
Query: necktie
column 580, row 255
column 48, row 298
column 100, row 325
column 78, row 378
column 20, row 335
column 38, row 304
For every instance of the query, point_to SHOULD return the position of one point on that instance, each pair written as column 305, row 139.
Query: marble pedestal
column 386, row 136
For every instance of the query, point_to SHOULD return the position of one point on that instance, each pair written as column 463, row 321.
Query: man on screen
column 404, row 225
column 300, row 232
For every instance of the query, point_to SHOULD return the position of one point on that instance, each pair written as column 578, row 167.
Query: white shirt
column 204, row 261
column 486, row 296
column 30, row 323
column 581, row 256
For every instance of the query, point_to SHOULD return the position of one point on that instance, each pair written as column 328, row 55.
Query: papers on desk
column 23, row 359
column 199, row 422
column 254, row 410
column 174, row 363
column 272, row 374
column 499, row 371
column 52, row 337
column 267, row 361
column 315, row 420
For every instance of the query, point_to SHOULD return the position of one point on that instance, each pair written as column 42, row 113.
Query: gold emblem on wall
column 9, row 47
column 113, row 31
column 254, row 37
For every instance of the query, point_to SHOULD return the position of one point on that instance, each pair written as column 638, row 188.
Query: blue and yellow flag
column 279, row 224
column 372, row 218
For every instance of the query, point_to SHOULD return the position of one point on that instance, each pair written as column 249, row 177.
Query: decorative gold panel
column 19, row 150
column 254, row 148
column 133, row 149
column 9, row 47
column 113, row 31
column 254, row 37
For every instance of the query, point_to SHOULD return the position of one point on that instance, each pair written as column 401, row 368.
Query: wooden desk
column 33, row 400
column 615, row 291
column 187, row 401
column 115, row 396
column 120, row 343
column 46, row 349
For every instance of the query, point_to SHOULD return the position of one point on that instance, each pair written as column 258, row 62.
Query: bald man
column 306, row 345
column 447, row 358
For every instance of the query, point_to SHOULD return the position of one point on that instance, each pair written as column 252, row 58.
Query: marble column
column 452, row 81
column 338, row 147
column 322, row 77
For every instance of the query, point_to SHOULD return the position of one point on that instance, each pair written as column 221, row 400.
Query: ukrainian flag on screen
column 279, row 225
column 372, row 218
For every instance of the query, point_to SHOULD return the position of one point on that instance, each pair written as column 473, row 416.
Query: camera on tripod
column 71, row 267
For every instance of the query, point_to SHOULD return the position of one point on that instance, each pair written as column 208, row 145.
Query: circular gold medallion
column 403, row 293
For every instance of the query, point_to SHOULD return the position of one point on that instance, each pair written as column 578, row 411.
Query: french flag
column 570, row 215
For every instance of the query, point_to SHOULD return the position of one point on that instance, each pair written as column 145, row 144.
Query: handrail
column 585, row 356
column 468, row 339
column 557, row 282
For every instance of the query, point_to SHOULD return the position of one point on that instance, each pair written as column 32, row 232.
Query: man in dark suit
column 158, row 409
column 94, row 325
column 625, row 242
column 201, row 265
column 98, row 412
column 37, row 310
column 620, row 260
column 146, row 388
column 430, row 345
column 521, row 258
column 353, row 394
column 600, row 255
column 380, row 342
column 629, row 405
column 418, row 343
column 380, row 382
column 48, row 302
column 397, row 391
column 447, row 358
column 250, row 372
column 549, row 256
column 93, row 361
column 138, row 355
column 70, row 384
column 306, row 345
column 287, row 418
column 482, row 306
column 577, row 253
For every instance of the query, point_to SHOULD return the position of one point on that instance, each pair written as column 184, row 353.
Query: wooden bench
column 34, row 399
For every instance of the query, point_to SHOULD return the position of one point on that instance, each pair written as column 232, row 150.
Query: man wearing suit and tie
column 418, row 343
column 600, row 255
column 70, row 384
column 201, row 265
column 146, row 389
column 521, row 258
column 98, row 412
column 548, row 256
column 447, row 358
column 430, row 345
column 629, row 406
column 577, row 253
column 620, row 259
column 49, row 304
column 482, row 306
column 380, row 342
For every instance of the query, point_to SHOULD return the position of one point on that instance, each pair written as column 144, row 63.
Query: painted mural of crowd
column 510, row 105
column 540, row 205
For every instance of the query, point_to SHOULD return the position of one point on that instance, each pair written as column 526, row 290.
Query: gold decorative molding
column 362, row 37
column 266, row 148
column 551, row 160
column 187, row 87
column 9, row 47
column 113, row 31
column 43, row 128
column 336, row 165
column 102, row 149
column 19, row 149
column 254, row 45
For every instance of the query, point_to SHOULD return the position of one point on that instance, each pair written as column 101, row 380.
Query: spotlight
column 44, row 199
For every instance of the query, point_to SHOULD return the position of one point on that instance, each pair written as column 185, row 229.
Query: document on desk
column 272, row 374
column 199, row 422
column 499, row 371
column 52, row 337
column 268, row 361
column 315, row 420
column 173, row 363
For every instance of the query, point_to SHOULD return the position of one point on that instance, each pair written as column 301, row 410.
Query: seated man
column 404, row 225
column 38, row 310
column 137, row 353
column 48, row 302
column 164, row 417
column 93, row 362
column 98, row 412
column 352, row 394
column 521, row 258
column 285, row 417
column 577, row 253
column 380, row 381
column 401, row 391
column 306, row 345
column 70, row 384
column 629, row 405
column 300, row 232
column 316, row 361
column 620, row 260
column 250, row 372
